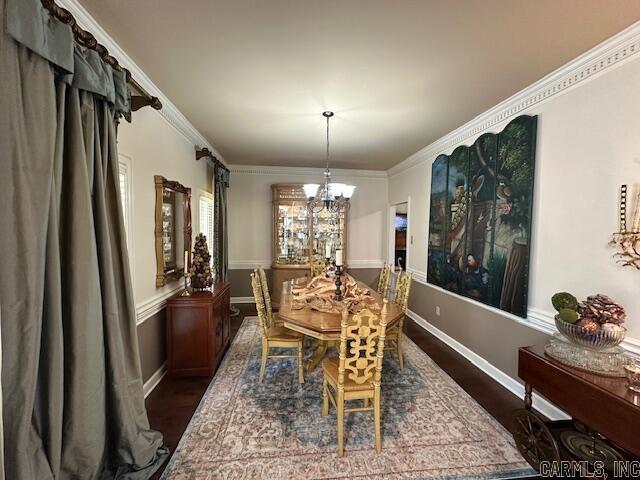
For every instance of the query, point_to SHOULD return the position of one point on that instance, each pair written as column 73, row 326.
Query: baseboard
column 242, row 300
column 154, row 380
column 510, row 383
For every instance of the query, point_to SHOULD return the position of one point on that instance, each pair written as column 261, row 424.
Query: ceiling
column 254, row 76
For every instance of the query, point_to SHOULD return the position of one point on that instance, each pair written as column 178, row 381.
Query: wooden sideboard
column 603, row 411
column 198, row 331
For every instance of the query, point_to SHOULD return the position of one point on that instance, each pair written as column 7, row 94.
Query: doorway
column 400, row 235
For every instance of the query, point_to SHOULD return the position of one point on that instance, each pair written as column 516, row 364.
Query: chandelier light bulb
column 335, row 190
column 311, row 190
column 347, row 191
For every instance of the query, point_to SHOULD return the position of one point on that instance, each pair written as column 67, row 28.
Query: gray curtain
column 69, row 344
column 221, row 240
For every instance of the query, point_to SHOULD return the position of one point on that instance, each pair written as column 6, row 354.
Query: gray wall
column 492, row 336
column 151, row 340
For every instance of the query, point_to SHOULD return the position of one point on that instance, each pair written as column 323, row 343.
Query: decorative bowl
column 599, row 340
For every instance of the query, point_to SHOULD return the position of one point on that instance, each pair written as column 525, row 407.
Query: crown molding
column 611, row 53
column 169, row 111
column 304, row 171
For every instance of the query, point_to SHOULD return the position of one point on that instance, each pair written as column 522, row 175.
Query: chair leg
column 263, row 363
column 376, row 419
column 400, row 350
column 325, row 398
column 300, row 366
column 340, row 422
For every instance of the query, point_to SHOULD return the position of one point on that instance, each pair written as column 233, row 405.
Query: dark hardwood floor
column 173, row 402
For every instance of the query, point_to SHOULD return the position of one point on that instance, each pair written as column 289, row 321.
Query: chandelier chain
column 328, row 143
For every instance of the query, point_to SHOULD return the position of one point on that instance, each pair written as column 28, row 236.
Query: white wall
column 588, row 144
column 155, row 148
column 250, row 213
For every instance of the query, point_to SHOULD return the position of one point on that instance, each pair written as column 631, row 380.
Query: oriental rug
column 432, row 429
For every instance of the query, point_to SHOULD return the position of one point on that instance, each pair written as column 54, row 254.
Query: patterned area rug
column 247, row 430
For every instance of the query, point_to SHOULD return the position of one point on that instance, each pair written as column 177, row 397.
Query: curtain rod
column 86, row 39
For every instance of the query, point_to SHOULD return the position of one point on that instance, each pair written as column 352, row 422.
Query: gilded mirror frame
column 165, row 275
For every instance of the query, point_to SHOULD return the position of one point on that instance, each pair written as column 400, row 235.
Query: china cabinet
column 300, row 235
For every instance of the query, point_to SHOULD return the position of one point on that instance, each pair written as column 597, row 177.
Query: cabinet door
column 188, row 340
column 218, row 344
column 226, row 318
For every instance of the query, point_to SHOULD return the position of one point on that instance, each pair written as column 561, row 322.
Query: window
column 206, row 218
column 126, row 197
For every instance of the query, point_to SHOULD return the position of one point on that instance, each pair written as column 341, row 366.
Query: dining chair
column 383, row 280
column 317, row 266
column 356, row 374
column 273, row 335
column 273, row 319
column 400, row 299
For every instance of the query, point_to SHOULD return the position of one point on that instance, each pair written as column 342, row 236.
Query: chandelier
column 330, row 196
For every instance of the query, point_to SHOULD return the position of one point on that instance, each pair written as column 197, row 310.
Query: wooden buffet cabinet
column 198, row 331
column 605, row 414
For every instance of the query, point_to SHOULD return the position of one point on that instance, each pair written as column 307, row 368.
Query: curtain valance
column 31, row 25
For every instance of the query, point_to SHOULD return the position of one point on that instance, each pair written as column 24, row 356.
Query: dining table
column 323, row 326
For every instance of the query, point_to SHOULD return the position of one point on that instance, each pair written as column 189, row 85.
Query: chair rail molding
column 611, row 53
column 148, row 308
column 238, row 300
column 251, row 264
column 169, row 111
column 537, row 318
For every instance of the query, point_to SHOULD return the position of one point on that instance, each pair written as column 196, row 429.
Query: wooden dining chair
column 356, row 374
column 273, row 318
column 273, row 335
column 317, row 266
column 400, row 299
column 383, row 280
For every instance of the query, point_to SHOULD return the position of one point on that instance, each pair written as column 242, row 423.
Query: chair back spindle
column 265, row 294
column 383, row 280
column 260, row 306
column 401, row 293
column 362, row 346
column 317, row 266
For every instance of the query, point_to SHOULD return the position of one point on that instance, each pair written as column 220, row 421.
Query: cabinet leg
column 527, row 396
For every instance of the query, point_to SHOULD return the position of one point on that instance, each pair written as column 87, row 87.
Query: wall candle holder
column 186, row 292
column 627, row 242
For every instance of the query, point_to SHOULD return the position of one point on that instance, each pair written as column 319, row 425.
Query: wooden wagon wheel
column 533, row 439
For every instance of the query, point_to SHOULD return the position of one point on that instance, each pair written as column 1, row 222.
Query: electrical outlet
column 437, row 310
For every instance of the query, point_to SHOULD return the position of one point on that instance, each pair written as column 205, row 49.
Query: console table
column 198, row 331
column 609, row 411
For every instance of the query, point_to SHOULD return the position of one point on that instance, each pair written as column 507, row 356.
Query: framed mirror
column 173, row 230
